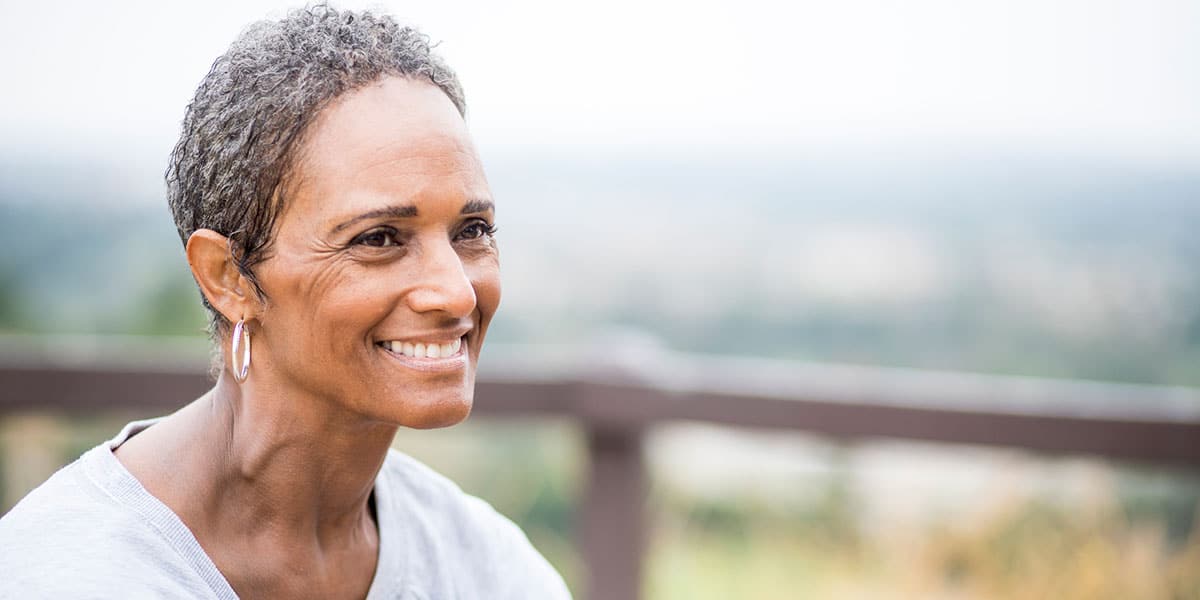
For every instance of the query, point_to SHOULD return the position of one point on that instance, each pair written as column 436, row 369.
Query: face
column 384, row 272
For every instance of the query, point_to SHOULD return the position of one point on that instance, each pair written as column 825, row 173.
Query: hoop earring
column 240, row 331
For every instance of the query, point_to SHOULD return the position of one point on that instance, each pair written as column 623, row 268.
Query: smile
column 428, row 356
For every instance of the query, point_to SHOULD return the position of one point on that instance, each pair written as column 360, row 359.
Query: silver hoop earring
column 240, row 331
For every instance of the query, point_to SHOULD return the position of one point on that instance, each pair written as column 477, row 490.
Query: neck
column 286, row 465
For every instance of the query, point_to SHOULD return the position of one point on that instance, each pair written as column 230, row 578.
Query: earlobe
column 219, row 279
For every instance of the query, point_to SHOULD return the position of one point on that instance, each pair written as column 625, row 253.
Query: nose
column 442, row 284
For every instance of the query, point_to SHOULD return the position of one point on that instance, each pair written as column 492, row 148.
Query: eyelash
column 361, row 239
column 487, row 230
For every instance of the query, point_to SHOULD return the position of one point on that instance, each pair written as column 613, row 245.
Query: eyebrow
column 476, row 206
column 403, row 211
column 408, row 211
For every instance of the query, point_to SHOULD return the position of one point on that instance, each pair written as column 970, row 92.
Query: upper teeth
column 424, row 350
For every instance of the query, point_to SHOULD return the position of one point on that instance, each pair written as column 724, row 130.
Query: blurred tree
column 173, row 308
column 10, row 302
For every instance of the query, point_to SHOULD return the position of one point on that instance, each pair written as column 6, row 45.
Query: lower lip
column 446, row 364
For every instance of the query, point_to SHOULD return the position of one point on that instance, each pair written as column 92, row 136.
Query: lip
column 447, row 364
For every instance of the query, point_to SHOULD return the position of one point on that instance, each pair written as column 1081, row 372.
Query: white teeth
column 423, row 350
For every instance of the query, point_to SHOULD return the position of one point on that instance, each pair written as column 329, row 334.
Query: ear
column 226, row 288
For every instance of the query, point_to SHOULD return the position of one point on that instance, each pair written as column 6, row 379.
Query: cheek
column 485, row 278
column 311, row 300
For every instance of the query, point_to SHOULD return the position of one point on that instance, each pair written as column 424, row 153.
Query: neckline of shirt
column 106, row 472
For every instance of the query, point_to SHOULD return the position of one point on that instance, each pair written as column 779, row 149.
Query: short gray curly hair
column 243, row 128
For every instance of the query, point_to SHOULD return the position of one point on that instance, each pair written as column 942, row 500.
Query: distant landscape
column 1078, row 269
column 1063, row 268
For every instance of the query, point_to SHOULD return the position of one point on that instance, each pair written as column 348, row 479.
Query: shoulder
column 67, row 538
column 422, row 493
column 64, row 512
column 486, row 551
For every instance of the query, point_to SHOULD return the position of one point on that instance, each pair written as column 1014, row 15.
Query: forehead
column 395, row 141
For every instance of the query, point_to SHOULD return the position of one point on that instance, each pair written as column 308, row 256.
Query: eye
column 477, row 229
column 379, row 237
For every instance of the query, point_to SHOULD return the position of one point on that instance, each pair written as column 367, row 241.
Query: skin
column 273, row 474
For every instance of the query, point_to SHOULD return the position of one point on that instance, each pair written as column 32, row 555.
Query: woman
column 340, row 228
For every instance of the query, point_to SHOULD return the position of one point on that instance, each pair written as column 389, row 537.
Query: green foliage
column 1020, row 548
column 173, row 307
column 11, row 313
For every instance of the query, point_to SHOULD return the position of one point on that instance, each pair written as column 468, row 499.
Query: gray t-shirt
column 93, row 531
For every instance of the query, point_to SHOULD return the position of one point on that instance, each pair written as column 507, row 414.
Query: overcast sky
column 1115, row 77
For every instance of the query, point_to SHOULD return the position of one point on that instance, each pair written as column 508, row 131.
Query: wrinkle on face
column 334, row 298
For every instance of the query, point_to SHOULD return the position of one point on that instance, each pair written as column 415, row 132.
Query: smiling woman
column 385, row 242
column 341, row 230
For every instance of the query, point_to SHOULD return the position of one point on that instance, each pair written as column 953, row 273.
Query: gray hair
column 242, row 130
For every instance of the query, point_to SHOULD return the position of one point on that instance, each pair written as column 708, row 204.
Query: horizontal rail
column 1155, row 434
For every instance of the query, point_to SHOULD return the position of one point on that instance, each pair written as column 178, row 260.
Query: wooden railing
column 618, row 390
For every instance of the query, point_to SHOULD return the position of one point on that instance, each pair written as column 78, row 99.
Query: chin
column 441, row 413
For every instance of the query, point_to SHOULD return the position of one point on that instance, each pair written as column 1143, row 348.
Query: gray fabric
column 93, row 531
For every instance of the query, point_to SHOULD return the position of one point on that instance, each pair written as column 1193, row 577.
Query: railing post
column 613, row 519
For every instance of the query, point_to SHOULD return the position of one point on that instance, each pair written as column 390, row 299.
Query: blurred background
column 1002, row 188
